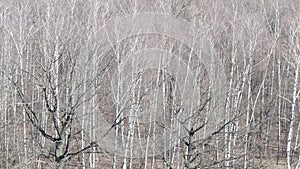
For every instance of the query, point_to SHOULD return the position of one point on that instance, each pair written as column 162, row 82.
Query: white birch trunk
column 279, row 109
column 292, row 118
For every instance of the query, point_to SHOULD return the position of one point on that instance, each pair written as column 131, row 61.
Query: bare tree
column 82, row 85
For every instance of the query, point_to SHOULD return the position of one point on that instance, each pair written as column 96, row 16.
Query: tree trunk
column 292, row 118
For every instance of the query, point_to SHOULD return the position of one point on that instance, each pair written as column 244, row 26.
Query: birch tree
column 294, row 53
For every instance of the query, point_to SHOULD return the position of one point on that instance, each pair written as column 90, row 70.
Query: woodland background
column 65, row 99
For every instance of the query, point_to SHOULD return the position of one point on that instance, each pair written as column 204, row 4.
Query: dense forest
column 149, row 84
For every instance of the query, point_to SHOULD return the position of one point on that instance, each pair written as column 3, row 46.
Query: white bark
column 292, row 118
